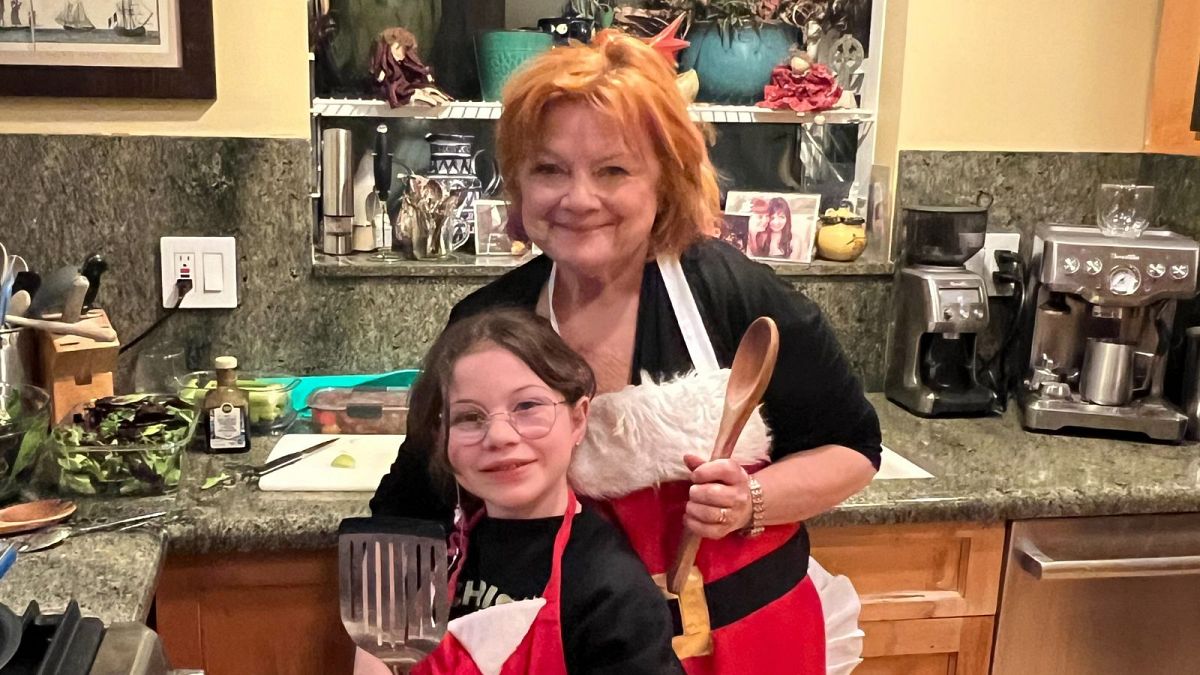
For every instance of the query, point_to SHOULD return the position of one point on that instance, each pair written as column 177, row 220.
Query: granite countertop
column 990, row 469
column 985, row 469
column 111, row 575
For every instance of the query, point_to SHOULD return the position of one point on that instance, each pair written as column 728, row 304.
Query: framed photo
column 490, row 236
column 777, row 225
column 110, row 48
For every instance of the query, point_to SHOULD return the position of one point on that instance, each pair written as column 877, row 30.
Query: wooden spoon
column 32, row 515
column 748, row 379
column 97, row 333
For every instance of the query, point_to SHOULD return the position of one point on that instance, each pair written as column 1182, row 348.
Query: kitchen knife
column 72, row 308
column 286, row 460
column 92, row 268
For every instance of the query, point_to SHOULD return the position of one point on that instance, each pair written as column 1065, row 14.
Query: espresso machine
column 1098, row 312
column 939, row 308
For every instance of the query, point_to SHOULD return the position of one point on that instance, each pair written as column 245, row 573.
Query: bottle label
column 227, row 428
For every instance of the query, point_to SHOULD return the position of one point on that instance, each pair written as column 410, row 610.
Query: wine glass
column 1124, row 210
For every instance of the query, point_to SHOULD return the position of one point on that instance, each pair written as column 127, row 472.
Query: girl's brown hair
column 626, row 79
column 524, row 334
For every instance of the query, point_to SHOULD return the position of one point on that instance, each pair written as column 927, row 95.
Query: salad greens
column 22, row 431
column 123, row 445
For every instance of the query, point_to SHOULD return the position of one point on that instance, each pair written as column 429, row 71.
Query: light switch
column 214, row 281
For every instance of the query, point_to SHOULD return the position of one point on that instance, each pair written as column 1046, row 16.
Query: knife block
column 77, row 369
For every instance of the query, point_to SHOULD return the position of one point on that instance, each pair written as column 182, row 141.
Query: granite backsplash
column 64, row 197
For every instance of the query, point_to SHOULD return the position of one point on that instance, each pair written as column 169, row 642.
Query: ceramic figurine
column 398, row 73
column 843, row 234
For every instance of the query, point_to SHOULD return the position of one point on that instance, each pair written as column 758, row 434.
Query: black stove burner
column 55, row 644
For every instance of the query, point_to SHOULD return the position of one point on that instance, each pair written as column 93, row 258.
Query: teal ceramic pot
column 735, row 69
column 501, row 52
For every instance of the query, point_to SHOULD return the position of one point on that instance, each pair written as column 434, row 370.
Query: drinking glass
column 1124, row 210
column 158, row 370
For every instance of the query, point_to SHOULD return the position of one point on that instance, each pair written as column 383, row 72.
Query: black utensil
column 92, row 268
column 383, row 166
column 29, row 282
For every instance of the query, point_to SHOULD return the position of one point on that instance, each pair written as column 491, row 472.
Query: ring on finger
column 724, row 516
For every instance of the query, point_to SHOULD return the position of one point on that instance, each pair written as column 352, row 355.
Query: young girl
column 775, row 240
column 544, row 585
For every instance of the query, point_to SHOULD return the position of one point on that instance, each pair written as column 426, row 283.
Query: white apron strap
column 687, row 314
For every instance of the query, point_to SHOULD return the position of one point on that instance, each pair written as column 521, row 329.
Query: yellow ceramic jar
column 841, row 242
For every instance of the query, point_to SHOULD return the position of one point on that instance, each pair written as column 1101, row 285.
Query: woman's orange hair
column 625, row 78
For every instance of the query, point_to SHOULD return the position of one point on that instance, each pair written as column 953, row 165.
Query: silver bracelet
column 757, row 510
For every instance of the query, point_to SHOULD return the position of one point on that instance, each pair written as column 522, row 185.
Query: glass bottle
column 226, row 412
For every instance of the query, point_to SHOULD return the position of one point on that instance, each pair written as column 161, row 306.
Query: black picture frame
column 196, row 78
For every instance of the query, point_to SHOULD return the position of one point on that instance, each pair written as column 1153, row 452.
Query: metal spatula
column 393, row 581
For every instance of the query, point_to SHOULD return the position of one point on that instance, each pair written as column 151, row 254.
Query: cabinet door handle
column 1042, row 566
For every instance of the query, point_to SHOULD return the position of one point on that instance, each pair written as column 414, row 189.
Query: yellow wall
column 1056, row 75
column 262, row 86
column 958, row 74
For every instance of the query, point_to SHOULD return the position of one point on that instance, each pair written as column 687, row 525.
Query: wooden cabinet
column 929, row 593
column 272, row 613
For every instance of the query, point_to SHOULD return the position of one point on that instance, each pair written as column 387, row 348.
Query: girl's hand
column 719, row 499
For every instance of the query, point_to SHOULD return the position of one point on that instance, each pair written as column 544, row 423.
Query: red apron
column 781, row 631
column 540, row 652
column 756, row 611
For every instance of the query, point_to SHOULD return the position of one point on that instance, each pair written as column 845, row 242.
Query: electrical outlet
column 210, row 263
column 983, row 262
column 185, row 263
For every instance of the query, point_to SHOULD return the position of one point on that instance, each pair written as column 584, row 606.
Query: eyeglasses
column 530, row 419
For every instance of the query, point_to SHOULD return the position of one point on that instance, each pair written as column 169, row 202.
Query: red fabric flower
column 816, row 89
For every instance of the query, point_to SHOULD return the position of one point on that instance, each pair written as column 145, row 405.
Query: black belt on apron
column 735, row 596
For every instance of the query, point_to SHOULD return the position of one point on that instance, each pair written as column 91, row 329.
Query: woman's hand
column 719, row 499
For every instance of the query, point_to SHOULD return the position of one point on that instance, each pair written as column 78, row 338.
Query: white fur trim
column 637, row 437
column 491, row 635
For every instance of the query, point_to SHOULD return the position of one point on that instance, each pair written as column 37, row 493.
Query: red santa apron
column 516, row 638
column 749, row 606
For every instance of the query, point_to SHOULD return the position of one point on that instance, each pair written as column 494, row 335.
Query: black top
column 814, row 399
column 614, row 619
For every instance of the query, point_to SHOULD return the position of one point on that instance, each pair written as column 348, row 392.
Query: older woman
column 611, row 178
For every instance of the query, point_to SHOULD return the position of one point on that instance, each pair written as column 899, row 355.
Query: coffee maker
column 939, row 308
column 1098, row 312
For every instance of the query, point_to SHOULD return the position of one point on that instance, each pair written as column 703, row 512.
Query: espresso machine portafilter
column 1098, row 319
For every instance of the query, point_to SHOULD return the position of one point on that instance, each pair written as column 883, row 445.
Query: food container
column 24, row 422
column 89, row 453
column 361, row 410
column 270, row 396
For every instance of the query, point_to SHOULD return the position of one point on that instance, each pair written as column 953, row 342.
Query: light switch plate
column 211, row 263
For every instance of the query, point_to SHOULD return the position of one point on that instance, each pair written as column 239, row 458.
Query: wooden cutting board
column 373, row 456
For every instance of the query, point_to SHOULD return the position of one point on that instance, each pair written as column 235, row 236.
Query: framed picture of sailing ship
column 122, row 48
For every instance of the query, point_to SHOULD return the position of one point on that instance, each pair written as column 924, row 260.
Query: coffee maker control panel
column 1118, row 271
column 961, row 304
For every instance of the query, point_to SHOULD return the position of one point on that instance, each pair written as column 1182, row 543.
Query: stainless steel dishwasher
column 1099, row 596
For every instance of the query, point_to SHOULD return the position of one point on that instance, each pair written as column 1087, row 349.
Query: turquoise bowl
column 734, row 69
column 500, row 53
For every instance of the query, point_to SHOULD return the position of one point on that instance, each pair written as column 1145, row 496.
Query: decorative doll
column 398, row 73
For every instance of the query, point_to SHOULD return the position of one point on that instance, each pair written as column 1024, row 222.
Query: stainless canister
column 337, row 191
column 1107, row 376
column 1191, row 383
column 15, row 356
